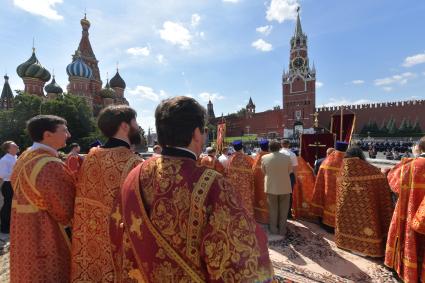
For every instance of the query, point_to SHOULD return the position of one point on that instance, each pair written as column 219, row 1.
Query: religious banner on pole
column 221, row 134
column 343, row 123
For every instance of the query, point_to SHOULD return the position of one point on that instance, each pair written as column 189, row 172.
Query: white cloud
column 387, row 88
column 414, row 60
column 44, row 8
column 195, row 20
column 266, row 30
column 282, row 10
column 262, row 45
column 139, row 51
column 206, row 96
column 319, row 84
column 344, row 101
column 160, row 58
column 396, row 79
column 357, row 82
column 146, row 93
column 176, row 34
column 231, row 1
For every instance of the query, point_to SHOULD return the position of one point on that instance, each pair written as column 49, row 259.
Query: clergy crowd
column 189, row 215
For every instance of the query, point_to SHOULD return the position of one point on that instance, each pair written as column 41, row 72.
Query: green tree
column 74, row 109
column 416, row 127
column 241, row 113
column 383, row 130
column 392, row 129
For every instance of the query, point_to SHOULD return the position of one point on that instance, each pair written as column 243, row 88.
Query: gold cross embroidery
column 136, row 223
column 117, row 217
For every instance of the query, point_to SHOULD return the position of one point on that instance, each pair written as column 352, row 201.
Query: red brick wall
column 378, row 112
column 259, row 123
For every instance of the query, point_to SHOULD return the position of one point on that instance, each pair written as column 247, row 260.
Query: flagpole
column 341, row 126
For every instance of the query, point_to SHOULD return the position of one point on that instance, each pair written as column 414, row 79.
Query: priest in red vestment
column 211, row 161
column 261, row 207
column 178, row 221
column 303, row 191
column 364, row 206
column 102, row 175
column 42, row 206
column 323, row 203
column 405, row 251
column 74, row 160
column 239, row 174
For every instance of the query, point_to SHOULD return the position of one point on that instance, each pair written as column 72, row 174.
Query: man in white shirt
column 286, row 150
column 223, row 158
column 6, row 167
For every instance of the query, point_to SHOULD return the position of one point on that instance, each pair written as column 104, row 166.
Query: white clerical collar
column 37, row 145
column 188, row 150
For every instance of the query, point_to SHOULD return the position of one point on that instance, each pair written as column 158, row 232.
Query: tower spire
column 298, row 28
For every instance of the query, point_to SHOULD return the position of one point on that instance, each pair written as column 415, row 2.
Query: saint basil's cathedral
column 83, row 75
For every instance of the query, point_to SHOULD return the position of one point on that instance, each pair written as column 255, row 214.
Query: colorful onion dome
column 107, row 91
column 33, row 69
column 53, row 87
column 78, row 68
column 117, row 81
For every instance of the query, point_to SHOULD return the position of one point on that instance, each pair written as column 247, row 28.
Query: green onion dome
column 53, row 87
column 33, row 69
column 107, row 91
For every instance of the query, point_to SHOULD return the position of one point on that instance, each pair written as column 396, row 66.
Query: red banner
column 346, row 125
column 221, row 134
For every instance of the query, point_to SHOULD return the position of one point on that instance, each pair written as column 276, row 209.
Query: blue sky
column 226, row 50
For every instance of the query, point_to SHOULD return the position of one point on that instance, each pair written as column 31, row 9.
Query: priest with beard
column 177, row 221
column 101, row 177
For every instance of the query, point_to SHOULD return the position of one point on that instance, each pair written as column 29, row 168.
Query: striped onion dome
column 33, row 69
column 78, row 68
column 53, row 87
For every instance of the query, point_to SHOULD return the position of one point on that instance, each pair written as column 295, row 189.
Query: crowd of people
column 392, row 150
column 184, row 215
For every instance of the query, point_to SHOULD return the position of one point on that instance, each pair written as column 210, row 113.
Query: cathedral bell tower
column 298, row 86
